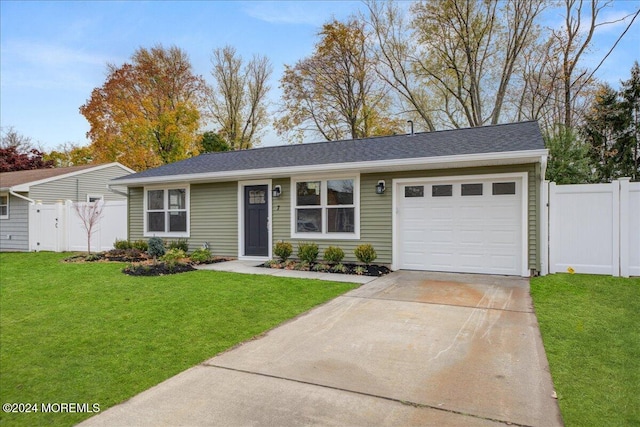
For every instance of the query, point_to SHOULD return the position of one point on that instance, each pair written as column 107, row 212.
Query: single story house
column 20, row 189
column 464, row 200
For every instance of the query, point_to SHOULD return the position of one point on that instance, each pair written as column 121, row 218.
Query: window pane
column 414, row 191
column 4, row 200
column 257, row 197
column 340, row 192
column 341, row 220
column 504, row 188
column 441, row 190
column 4, row 211
column 155, row 200
column 308, row 193
column 177, row 221
column 472, row 189
column 177, row 199
column 309, row 220
column 155, row 221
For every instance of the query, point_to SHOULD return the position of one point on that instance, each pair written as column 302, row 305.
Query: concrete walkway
column 407, row 349
column 250, row 267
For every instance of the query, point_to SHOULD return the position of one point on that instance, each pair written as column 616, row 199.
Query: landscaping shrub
column 201, row 255
column 283, row 250
column 320, row 267
column 339, row 268
column 333, row 255
column 122, row 244
column 156, row 247
column 181, row 244
column 173, row 256
column 308, row 252
column 365, row 253
column 140, row 245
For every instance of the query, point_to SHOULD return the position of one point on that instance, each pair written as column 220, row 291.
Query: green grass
column 590, row 327
column 87, row 333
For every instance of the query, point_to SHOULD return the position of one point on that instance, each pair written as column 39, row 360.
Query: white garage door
column 461, row 225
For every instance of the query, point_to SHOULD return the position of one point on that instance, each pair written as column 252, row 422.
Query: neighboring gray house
column 465, row 200
column 86, row 183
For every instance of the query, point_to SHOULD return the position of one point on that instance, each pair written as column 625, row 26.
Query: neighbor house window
column 325, row 208
column 92, row 198
column 4, row 206
column 166, row 212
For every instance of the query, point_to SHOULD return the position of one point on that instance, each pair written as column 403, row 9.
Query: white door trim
column 241, row 186
column 522, row 176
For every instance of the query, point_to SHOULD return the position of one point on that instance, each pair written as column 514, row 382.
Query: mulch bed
column 159, row 269
column 355, row 269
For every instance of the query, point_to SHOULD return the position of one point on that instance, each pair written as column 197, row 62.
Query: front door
column 256, row 217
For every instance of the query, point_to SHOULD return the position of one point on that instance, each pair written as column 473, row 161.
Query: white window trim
column 187, row 188
column 323, row 205
column 7, row 205
column 95, row 196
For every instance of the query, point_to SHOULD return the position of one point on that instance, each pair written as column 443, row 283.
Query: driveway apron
column 410, row 348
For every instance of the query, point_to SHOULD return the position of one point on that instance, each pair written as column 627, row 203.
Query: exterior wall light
column 277, row 191
column 380, row 187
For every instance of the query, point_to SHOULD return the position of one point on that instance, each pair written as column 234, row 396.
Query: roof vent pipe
column 411, row 123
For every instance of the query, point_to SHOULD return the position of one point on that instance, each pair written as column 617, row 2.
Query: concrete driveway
column 408, row 349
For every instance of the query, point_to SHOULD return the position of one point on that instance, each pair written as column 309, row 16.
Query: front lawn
column 87, row 333
column 590, row 326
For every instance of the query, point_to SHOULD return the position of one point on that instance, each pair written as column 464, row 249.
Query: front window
column 4, row 206
column 166, row 212
column 325, row 208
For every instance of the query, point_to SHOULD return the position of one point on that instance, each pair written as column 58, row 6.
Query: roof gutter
column 20, row 196
column 113, row 190
column 468, row 160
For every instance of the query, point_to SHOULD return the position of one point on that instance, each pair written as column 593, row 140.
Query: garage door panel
column 471, row 233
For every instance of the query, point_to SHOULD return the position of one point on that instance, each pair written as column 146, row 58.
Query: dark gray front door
column 256, row 214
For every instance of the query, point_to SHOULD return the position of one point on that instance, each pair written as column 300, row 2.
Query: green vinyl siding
column 135, row 207
column 214, row 217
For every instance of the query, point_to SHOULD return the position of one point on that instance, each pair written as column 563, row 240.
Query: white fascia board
column 442, row 162
column 25, row 187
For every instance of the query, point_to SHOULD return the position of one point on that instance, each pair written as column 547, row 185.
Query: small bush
column 140, row 245
column 321, row 267
column 272, row 263
column 339, row 268
column 93, row 257
column 173, row 256
column 333, row 255
column 283, row 250
column 365, row 253
column 181, row 244
column 122, row 244
column 308, row 252
column 302, row 266
column 155, row 247
column 360, row 270
column 201, row 255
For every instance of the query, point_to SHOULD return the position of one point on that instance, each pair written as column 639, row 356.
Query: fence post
column 624, row 226
column 544, row 229
column 553, row 233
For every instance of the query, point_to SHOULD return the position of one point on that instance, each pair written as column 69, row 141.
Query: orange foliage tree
column 147, row 113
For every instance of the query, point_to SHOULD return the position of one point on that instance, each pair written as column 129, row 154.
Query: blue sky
column 53, row 53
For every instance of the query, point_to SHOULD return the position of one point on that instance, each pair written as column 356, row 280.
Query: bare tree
column 90, row 215
column 237, row 101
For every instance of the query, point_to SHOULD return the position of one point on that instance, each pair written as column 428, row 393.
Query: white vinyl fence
column 594, row 228
column 57, row 227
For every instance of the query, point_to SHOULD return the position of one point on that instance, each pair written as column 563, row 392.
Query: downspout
column 20, row 196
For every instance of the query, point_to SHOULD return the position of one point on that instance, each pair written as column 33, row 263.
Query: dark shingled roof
column 502, row 138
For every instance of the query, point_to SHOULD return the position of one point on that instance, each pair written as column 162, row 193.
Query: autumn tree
column 18, row 153
column 70, row 154
column 238, row 99
column 335, row 92
column 147, row 113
